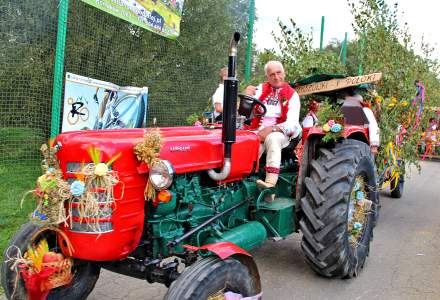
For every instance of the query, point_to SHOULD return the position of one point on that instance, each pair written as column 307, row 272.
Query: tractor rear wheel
column 339, row 209
column 85, row 274
column 210, row 278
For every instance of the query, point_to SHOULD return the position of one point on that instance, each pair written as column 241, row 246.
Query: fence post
column 247, row 70
column 344, row 50
column 322, row 34
column 361, row 54
column 63, row 9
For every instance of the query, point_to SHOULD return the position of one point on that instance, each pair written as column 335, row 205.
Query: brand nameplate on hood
column 180, row 148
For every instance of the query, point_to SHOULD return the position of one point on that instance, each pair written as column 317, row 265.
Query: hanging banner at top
column 160, row 16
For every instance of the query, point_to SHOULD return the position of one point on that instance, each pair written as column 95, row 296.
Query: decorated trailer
column 180, row 206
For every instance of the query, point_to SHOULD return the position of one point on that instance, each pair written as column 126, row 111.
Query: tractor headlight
column 161, row 175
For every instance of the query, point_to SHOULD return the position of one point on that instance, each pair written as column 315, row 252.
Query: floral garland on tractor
column 400, row 132
column 90, row 195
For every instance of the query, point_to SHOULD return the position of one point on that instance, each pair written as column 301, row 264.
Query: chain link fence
column 181, row 74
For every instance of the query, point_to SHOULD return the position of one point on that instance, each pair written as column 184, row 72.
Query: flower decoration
column 357, row 186
column 46, row 182
column 77, row 188
column 331, row 123
column 38, row 215
column 326, row 127
column 336, row 128
column 360, row 195
column 101, row 169
column 357, row 226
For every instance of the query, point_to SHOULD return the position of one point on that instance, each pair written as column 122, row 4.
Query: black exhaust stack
column 229, row 110
column 230, row 98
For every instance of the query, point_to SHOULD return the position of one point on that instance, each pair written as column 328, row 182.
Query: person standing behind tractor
column 281, row 121
column 311, row 119
column 217, row 98
column 373, row 127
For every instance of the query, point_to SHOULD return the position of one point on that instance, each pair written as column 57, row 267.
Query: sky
column 422, row 17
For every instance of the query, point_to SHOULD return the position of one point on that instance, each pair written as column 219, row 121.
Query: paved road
column 404, row 261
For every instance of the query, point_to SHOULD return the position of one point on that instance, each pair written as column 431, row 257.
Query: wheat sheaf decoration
column 147, row 152
column 93, row 189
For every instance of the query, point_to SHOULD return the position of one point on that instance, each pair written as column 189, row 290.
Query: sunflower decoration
column 147, row 152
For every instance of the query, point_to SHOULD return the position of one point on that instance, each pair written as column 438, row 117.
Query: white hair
column 272, row 62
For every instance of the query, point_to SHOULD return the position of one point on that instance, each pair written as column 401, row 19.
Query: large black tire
column 325, row 207
column 85, row 274
column 211, row 275
column 397, row 189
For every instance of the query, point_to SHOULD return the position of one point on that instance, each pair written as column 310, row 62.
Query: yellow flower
column 326, row 127
column 404, row 103
column 101, row 169
column 394, row 100
column 391, row 105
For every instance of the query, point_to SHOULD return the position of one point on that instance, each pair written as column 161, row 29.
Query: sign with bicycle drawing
column 96, row 104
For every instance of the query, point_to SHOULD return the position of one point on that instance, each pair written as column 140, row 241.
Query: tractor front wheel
column 85, row 274
column 339, row 209
column 210, row 278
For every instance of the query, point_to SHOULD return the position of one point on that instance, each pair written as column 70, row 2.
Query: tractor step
column 278, row 204
column 278, row 216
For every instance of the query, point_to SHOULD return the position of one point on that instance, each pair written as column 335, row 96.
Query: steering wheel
column 247, row 105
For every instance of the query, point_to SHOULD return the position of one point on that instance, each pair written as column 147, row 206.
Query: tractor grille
column 99, row 227
column 104, row 212
column 94, row 224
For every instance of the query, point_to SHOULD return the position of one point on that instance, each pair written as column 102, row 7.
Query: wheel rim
column 358, row 210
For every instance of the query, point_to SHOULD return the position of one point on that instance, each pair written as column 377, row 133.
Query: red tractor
column 208, row 212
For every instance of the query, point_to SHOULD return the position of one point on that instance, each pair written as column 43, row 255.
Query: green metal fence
column 181, row 74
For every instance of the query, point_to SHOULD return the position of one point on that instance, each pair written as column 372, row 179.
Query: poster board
column 94, row 104
column 159, row 16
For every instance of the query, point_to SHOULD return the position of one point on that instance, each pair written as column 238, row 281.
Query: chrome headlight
column 161, row 175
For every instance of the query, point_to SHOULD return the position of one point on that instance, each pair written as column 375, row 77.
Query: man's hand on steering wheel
column 250, row 90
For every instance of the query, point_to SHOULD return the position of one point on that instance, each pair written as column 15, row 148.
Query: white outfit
column 218, row 98
column 276, row 141
column 373, row 128
column 291, row 126
column 310, row 120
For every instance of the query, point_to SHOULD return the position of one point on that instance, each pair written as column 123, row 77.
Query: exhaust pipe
column 229, row 111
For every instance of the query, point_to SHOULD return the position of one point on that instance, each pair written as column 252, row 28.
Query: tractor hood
column 188, row 149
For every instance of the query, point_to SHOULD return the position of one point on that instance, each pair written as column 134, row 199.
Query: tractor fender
column 221, row 249
column 357, row 133
column 227, row 249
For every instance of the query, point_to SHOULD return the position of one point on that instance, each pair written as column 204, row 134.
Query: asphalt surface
column 404, row 261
